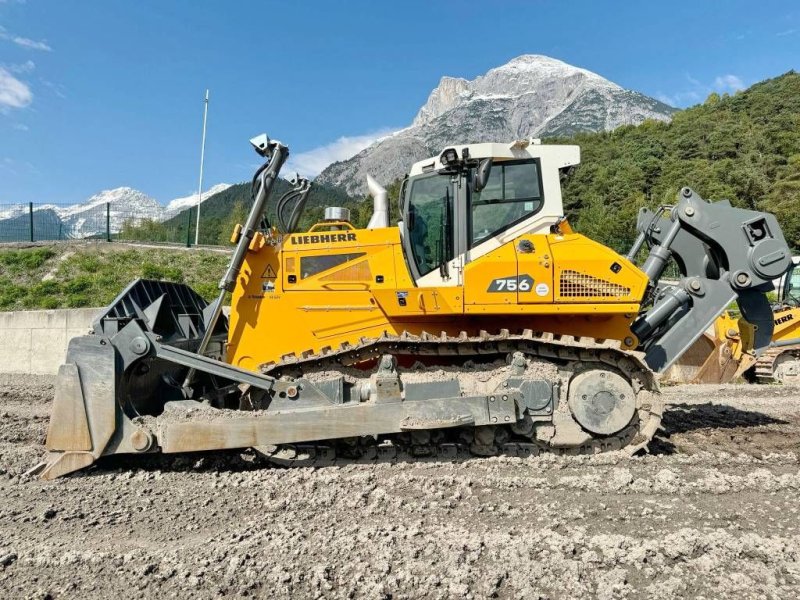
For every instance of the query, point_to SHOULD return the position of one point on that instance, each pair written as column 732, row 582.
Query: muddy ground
column 712, row 513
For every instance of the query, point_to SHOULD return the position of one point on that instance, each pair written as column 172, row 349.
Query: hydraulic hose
column 265, row 178
column 294, row 217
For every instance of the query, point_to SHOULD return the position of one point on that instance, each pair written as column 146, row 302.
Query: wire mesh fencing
column 34, row 222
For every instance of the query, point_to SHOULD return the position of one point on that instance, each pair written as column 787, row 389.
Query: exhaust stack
column 380, row 211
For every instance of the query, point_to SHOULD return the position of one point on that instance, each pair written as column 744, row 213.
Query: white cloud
column 693, row 81
column 20, row 127
column 787, row 32
column 725, row 83
column 8, row 165
column 698, row 91
column 58, row 89
column 23, row 41
column 27, row 67
column 679, row 98
column 312, row 162
column 17, row 167
column 30, row 44
column 13, row 92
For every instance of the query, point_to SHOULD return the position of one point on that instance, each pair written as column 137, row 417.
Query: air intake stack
column 380, row 211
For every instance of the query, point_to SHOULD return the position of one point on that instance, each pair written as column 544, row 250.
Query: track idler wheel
column 601, row 401
column 787, row 368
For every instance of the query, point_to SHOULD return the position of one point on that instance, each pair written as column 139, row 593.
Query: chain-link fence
column 105, row 221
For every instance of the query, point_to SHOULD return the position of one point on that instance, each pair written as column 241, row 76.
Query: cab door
column 432, row 235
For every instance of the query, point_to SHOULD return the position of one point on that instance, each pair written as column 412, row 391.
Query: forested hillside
column 221, row 212
column 745, row 148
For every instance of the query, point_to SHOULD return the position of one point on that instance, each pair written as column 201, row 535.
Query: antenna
column 202, row 160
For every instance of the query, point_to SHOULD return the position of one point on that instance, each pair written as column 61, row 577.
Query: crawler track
column 768, row 366
column 569, row 354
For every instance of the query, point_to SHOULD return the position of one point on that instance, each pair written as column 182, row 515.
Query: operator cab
column 471, row 199
column 790, row 286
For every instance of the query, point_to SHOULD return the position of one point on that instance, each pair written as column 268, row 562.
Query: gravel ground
column 712, row 513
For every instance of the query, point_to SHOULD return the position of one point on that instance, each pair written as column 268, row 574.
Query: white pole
column 200, row 186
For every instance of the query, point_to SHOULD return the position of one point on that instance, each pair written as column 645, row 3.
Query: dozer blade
column 708, row 360
column 720, row 367
column 721, row 355
column 83, row 417
column 121, row 392
column 112, row 376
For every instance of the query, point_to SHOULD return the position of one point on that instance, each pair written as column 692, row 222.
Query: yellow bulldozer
column 480, row 324
column 725, row 351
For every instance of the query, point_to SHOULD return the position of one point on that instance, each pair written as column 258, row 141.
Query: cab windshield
column 512, row 194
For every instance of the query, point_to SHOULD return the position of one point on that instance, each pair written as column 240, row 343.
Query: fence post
column 108, row 221
column 189, row 228
column 30, row 212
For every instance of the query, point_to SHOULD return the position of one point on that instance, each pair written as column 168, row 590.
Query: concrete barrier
column 35, row 341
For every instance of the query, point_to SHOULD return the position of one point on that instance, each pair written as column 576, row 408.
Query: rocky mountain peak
column 529, row 96
column 444, row 97
column 522, row 75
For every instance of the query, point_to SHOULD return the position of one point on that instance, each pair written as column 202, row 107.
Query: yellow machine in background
column 480, row 323
column 725, row 353
column 781, row 362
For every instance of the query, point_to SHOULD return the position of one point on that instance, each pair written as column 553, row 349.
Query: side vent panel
column 574, row 284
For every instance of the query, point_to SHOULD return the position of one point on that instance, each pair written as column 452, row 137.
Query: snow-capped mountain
column 81, row 220
column 178, row 204
column 530, row 96
column 88, row 219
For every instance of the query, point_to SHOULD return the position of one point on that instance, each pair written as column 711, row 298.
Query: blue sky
column 101, row 94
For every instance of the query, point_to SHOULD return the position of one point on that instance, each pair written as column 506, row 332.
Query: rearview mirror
column 481, row 176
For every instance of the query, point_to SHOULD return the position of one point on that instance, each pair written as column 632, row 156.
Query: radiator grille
column 580, row 285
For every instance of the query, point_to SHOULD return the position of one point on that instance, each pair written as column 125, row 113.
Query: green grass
column 92, row 274
column 16, row 262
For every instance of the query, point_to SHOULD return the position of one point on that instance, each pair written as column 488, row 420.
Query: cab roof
column 562, row 155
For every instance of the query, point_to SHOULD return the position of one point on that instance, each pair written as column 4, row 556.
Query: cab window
column 791, row 291
column 512, row 194
column 429, row 222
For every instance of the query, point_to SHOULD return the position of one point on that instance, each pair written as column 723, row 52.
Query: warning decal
column 269, row 273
